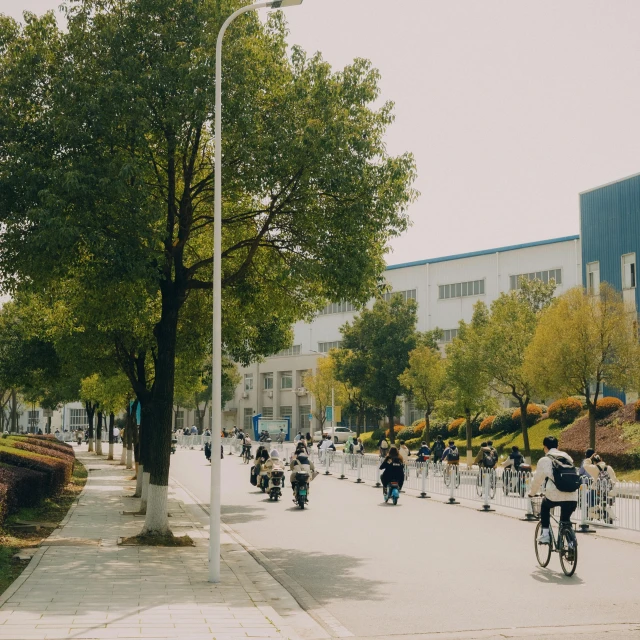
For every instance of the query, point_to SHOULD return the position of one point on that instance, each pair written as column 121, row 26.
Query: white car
column 340, row 434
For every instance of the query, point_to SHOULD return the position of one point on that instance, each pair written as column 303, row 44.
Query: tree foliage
column 325, row 387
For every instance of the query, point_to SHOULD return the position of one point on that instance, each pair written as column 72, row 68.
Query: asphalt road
column 423, row 567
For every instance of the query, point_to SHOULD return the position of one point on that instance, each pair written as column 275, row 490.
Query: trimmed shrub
column 486, row 426
column 503, row 422
column 56, row 472
column 44, row 441
column 413, row 445
column 23, row 487
column 544, row 408
column 582, row 400
column 636, row 407
column 606, row 406
column 534, row 413
column 376, row 436
column 406, row 434
column 438, row 428
column 462, row 429
column 418, row 427
column 53, row 453
column 565, row 410
column 454, row 426
column 397, row 429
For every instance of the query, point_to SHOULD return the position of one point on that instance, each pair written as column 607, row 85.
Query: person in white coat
column 553, row 497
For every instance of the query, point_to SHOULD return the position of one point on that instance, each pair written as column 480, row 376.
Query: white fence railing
column 598, row 503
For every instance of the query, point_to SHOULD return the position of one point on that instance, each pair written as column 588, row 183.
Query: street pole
column 333, row 413
column 216, row 357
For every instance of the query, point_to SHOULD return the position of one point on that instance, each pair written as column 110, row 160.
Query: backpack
column 517, row 461
column 348, row 447
column 488, row 460
column 438, row 449
column 565, row 475
column 604, row 479
column 453, row 455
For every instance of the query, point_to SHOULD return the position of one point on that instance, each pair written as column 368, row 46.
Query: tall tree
column 379, row 341
column 504, row 341
column 425, row 380
column 326, row 389
column 466, row 380
column 581, row 342
column 106, row 132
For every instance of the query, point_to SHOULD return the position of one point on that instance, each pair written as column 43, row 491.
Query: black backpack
column 565, row 475
column 453, row 455
column 438, row 448
column 489, row 460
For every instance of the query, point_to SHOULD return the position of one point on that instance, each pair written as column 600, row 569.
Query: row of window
column 545, row 276
column 336, row 307
column 449, row 335
column 286, row 411
column 409, row 294
column 286, row 381
column 461, row 289
column 291, row 351
column 325, row 347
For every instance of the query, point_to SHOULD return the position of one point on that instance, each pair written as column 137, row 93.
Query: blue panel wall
column 610, row 227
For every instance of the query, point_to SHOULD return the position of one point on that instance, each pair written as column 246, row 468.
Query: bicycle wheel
column 479, row 482
column 457, row 477
column 506, row 482
column 446, row 476
column 492, row 485
column 543, row 551
column 568, row 551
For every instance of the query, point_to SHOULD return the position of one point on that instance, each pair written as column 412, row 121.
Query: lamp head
column 281, row 4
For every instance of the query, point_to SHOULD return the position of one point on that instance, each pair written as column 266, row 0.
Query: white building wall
column 495, row 267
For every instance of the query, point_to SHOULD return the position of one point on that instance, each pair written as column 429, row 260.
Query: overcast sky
column 511, row 107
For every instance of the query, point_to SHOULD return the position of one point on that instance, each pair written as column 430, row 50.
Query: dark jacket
column 392, row 470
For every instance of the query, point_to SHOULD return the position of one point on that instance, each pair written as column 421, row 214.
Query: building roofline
column 608, row 184
column 484, row 252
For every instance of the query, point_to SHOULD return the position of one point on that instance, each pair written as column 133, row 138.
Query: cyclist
column 438, row 449
column 553, row 496
column 246, row 447
column 424, row 453
column 451, row 455
column 485, row 458
column 383, row 447
column 514, row 460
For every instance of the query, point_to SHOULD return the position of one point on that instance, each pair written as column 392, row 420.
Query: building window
column 304, row 424
column 448, row 335
column 461, row 289
column 544, row 276
column 593, row 278
column 291, row 351
column 268, row 381
column 78, row 419
column 267, row 413
column 336, row 307
column 409, row 294
column 286, row 380
column 248, row 381
column 414, row 414
column 179, row 419
column 325, row 347
column 248, row 415
column 629, row 271
column 286, row 411
column 33, row 419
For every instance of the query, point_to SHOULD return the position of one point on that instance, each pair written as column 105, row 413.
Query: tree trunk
column 159, row 434
column 14, row 411
column 48, row 429
column 525, row 429
column 112, row 419
column 360, row 424
column 143, row 473
column 99, row 434
column 392, row 431
column 427, row 428
column 592, row 425
column 469, row 438
column 90, row 411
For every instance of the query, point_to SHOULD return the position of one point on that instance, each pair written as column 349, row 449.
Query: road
column 423, row 566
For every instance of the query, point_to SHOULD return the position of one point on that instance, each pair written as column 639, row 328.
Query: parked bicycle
column 563, row 541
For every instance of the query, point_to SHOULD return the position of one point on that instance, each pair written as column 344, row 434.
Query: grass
column 168, row 540
column 52, row 510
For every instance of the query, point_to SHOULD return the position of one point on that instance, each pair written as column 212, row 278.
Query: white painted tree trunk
column 123, row 455
column 157, row 518
column 145, row 490
column 99, row 446
column 90, row 443
column 110, row 456
column 129, row 458
column 139, row 474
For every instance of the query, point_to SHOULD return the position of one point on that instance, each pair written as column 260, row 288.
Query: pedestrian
column 79, row 436
column 194, row 430
column 298, row 437
column 582, row 472
column 383, row 446
column 358, row 447
column 281, row 436
column 116, row 434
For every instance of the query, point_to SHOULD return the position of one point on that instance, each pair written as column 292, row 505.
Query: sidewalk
column 81, row 584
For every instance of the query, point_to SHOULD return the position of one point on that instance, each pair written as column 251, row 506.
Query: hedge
column 396, row 429
column 636, row 406
column 54, row 445
column 606, row 406
column 406, row 434
column 565, row 410
column 487, row 424
column 534, row 413
column 504, row 422
column 22, row 488
column 454, row 426
column 52, row 453
column 56, row 472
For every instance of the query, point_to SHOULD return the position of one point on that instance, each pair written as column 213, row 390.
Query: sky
column 510, row 107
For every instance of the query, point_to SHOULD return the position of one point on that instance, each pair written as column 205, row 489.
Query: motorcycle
column 302, row 489
column 392, row 492
column 264, row 436
column 276, row 481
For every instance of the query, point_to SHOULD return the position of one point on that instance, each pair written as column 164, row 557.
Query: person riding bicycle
column 514, row 460
column 555, row 467
column 424, row 453
column 383, row 447
column 438, row 449
column 451, row 455
column 485, row 458
column 392, row 468
column 246, row 447
column 601, row 499
column 403, row 450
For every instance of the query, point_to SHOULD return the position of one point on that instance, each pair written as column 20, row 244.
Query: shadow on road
column 238, row 514
column 551, row 577
column 333, row 575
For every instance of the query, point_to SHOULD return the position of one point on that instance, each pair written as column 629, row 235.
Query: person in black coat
column 392, row 469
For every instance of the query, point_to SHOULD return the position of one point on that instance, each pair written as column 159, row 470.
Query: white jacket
column 544, row 471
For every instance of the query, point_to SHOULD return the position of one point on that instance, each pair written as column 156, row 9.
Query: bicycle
column 419, row 465
column 564, row 542
column 480, row 482
column 449, row 470
column 246, row 454
column 514, row 482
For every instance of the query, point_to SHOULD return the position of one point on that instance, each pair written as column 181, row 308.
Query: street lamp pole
column 216, row 405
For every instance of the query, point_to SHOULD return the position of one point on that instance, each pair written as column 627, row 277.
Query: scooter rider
column 424, row 453
column 392, row 469
column 300, row 464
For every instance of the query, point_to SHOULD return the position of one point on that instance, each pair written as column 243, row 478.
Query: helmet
column 274, row 453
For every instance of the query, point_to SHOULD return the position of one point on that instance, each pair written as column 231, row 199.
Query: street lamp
column 216, row 405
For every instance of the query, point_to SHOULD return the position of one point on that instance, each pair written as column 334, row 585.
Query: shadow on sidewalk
column 239, row 514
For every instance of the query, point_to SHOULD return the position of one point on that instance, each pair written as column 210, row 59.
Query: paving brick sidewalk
column 81, row 584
